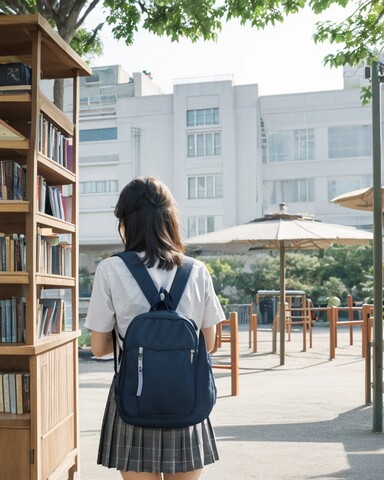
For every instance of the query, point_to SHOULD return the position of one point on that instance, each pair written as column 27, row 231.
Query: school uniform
column 116, row 299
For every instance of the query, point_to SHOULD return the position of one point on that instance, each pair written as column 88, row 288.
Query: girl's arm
column 210, row 337
column 101, row 343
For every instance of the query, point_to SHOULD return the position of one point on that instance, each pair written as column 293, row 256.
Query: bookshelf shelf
column 43, row 345
column 42, row 442
column 14, row 144
column 14, row 206
column 7, row 98
column 55, row 223
column 15, row 89
column 54, row 172
column 9, row 420
column 14, row 278
column 54, row 280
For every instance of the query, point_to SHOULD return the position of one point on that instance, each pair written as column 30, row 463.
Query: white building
column 228, row 155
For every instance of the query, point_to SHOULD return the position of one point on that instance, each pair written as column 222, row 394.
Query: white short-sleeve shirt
column 116, row 297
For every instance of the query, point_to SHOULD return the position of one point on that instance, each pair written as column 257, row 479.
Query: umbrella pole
column 282, row 303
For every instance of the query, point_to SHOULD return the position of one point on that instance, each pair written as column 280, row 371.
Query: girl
column 149, row 225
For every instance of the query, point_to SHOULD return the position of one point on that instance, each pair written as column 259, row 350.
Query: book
column 7, row 406
column 57, row 316
column 12, row 253
column 8, row 321
column 12, row 180
column 50, row 305
column 12, row 392
column 13, row 320
column 1, row 393
column 26, row 392
column 41, row 318
column 9, row 133
column 21, row 325
column 2, row 323
column 19, row 393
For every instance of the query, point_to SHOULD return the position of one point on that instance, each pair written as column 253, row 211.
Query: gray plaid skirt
column 156, row 450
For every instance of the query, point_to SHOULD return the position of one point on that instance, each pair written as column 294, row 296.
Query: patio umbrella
column 358, row 199
column 280, row 231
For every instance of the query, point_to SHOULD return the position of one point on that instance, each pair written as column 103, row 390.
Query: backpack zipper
column 140, row 372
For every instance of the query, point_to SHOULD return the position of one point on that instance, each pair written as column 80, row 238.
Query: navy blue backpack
column 165, row 376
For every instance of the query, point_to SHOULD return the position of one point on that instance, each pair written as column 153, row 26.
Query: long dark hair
column 147, row 212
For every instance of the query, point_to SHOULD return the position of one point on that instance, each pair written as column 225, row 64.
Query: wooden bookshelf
column 41, row 443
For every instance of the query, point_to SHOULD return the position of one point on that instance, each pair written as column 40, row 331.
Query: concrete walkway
column 304, row 420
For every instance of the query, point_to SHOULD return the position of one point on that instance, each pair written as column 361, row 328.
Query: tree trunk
column 58, row 93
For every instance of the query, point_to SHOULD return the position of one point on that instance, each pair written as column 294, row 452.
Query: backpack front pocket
column 166, row 381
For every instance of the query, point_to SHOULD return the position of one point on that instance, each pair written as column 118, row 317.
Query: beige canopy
column 279, row 231
column 358, row 199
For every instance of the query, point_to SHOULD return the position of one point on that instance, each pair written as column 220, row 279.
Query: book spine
column 19, row 393
column 26, row 392
column 3, row 333
column 1, row 393
column 8, row 321
column 3, row 257
column 13, row 320
column 12, row 392
column 7, row 405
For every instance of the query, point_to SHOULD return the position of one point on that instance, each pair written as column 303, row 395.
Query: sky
column 280, row 59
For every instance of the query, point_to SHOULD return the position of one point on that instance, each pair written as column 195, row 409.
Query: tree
column 358, row 34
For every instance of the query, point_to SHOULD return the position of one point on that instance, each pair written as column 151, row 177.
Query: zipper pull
column 140, row 372
column 191, row 358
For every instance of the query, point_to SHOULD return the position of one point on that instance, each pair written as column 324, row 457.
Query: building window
column 203, row 144
column 94, row 78
column 98, row 187
column 206, row 116
column 205, row 186
column 304, row 144
column 339, row 185
column 291, row 191
column 112, row 158
column 98, row 134
column 200, row 225
column 344, row 142
column 278, row 147
column 293, row 145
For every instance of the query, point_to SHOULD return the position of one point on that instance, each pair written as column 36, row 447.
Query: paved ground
column 305, row 420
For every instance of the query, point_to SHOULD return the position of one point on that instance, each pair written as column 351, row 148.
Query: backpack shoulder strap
column 145, row 282
column 180, row 281
column 140, row 274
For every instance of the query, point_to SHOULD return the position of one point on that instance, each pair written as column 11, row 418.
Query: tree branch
column 95, row 31
column 91, row 7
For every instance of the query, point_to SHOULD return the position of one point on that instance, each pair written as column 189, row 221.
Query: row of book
column 54, row 254
column 53, row 200
column 54, row 145
column 12, row 252
column 50, row 316
column 12, row 320
column 12, row 180
column 15, row 392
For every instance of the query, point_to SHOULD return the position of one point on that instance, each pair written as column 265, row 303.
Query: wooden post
column 335, row 322
column 234, row 353
column 254, row 329
column 309, row 316
column 233, row 340
column 350, row 317
column 332, row 331
column 250, row 325
column 367, row 327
